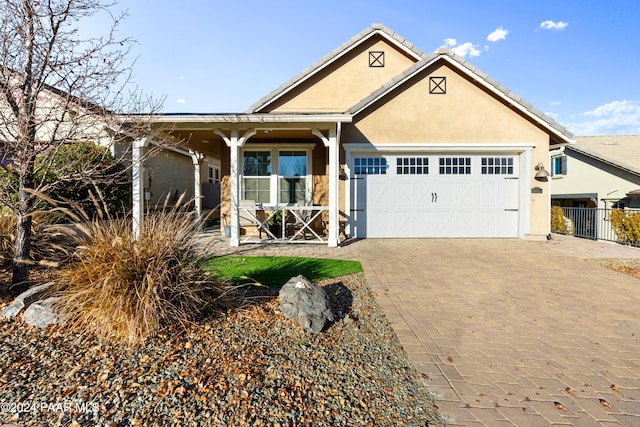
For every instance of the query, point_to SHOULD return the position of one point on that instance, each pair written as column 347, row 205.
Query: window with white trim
column 256, row 170
column 412, row 166
column 275, row 176
column 292, row 176
column 497, row 166
column 455, row 165
column 213, row 175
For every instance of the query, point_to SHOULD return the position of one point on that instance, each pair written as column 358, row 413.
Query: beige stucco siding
column 466, row 113
column 347, row 81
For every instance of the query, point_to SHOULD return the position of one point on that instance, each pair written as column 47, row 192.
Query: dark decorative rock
column 25, row 299
column 305, row 302
column 42, row 313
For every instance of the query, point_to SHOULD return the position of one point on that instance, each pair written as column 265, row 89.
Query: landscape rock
column 25, row 299
column 42, row 313
column 305, row 302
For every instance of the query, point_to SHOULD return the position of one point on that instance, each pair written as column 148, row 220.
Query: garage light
column 542, row 173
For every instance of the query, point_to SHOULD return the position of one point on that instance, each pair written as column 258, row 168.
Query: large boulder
column 25, row 299
column 305, row 302
column 42, row 313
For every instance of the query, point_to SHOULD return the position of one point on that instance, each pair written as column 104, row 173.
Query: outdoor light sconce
column 542, row 173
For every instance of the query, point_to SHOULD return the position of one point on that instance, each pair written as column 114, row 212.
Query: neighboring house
column 597, row 171
column 378, row 140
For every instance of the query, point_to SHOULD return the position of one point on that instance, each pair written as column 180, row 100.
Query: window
column 292, row 173
column 497, row 166
column 559, row 165
column 370, row 165
column 455, row 165
column 214, row 175
column 256, row 169
column 273, row 177
column 412, row 166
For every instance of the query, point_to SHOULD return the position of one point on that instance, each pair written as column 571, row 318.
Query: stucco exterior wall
column 586, row 175
column 346, row 82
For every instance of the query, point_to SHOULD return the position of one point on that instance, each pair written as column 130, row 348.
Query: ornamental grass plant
column 125, row 289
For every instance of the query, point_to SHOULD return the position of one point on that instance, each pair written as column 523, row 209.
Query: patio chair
column 302, row 219
column 248, row 214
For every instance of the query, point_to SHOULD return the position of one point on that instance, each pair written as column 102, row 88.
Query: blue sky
column 577, row 61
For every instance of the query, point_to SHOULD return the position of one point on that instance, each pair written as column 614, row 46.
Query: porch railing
column 283, row 224
column 591, row 223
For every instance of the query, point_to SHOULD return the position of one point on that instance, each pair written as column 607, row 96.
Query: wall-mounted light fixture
column 542, row 174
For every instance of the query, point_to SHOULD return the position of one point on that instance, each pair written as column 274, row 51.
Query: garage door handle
column 510, row 177
column 511, row 210
column 434, row 197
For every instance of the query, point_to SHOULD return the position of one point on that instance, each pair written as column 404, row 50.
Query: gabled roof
column 476, row 75
column 375, row 30
column 563, row 136
column 621, row 151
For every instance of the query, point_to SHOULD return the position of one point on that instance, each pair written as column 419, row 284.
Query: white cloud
column 181, row 77
column 614, row 108
column 556, row 102
column 181, row 101
column 554, row 26
column 554, row 116
column 499, row 34
column 617, row 117
column 450, row 42
column 465, row 49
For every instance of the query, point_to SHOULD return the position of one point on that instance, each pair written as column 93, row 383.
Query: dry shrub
column 123, row 289
column 557, row 220
column 626, row 225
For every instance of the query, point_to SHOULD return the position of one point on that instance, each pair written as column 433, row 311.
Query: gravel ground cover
column 248, row 366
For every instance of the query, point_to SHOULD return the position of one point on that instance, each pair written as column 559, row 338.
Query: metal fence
column 591, row 223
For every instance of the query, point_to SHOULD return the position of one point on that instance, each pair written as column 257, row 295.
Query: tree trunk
column 22, row 244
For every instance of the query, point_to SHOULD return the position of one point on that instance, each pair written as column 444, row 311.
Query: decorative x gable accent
column 376, row 58
column 438, row 85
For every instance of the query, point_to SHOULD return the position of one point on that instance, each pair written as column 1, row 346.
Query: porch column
column 234, row 143
column 334, row 163
column 197, row 159
column 137, row 185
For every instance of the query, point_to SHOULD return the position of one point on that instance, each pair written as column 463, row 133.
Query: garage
column 434, row 195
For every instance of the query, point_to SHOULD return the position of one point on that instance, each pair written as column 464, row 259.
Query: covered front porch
column 279, row 173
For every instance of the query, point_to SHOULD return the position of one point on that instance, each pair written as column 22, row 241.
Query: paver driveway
column 510, row 332
column 501, row 330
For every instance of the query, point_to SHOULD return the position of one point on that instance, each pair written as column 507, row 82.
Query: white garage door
column 435, row 195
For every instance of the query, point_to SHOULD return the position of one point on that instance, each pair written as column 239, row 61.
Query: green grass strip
column 276, row 270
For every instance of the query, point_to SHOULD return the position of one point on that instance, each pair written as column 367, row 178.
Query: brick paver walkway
column 509, row 332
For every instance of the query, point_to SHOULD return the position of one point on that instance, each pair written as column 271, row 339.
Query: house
column 378, row 139
column 597, row 172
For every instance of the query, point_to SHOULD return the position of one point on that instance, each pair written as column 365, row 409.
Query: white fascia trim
column 467, row 148
column 255, row 119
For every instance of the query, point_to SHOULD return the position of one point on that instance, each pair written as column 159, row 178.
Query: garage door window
column 412, row 166
column 370, row 165
column 497, row 166
column 455, row 165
